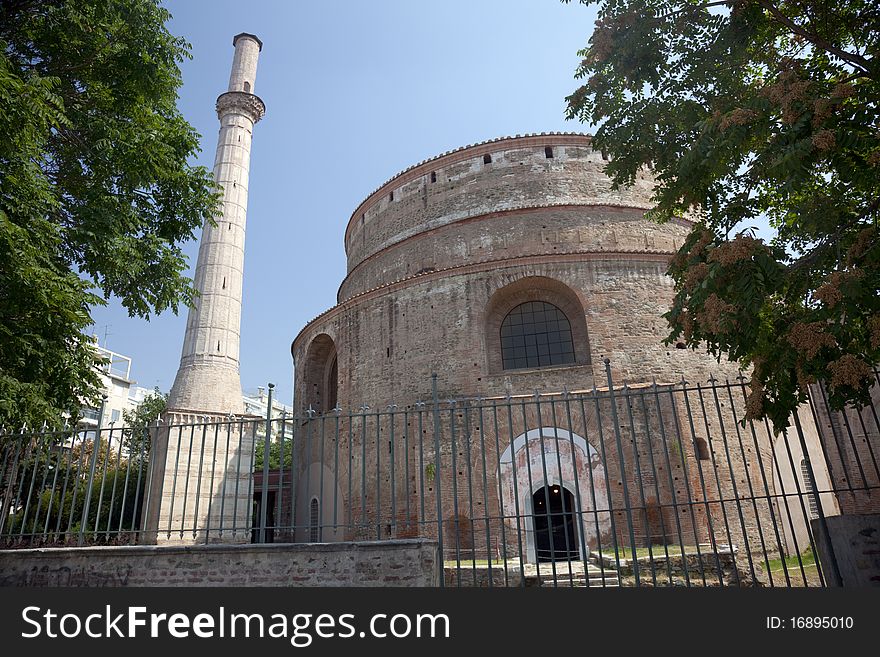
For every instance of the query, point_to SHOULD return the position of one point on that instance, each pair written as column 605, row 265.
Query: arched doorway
column 553, row 457
column 554, row 515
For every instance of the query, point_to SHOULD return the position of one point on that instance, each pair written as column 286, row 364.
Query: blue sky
column 355, row 92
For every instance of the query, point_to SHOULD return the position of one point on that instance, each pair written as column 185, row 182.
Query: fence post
column 838, row 580
column 626, row 501
column 95, row 450
column 437, row 476
column 264, row 490
column 8, row 474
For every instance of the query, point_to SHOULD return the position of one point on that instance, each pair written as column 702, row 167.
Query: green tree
column 276, row 458
column 744, row 111
column 96, row 192
column 138, row 422
column 53, row 489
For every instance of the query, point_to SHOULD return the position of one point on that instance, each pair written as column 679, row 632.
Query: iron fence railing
column 633, row 485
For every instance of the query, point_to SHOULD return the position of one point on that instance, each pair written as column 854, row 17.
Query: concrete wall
column 389, row 563
column 854, row 546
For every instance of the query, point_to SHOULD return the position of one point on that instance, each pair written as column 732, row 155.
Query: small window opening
column 391, row 196
column 809, row 490
column 487, row 159
column 548, row 152
column 433, row 176
column 247, row 87
column 604, row 154
column 218, row 345
column 680, row 345
column 314, row 521
column 224, row 282
column 702, row 449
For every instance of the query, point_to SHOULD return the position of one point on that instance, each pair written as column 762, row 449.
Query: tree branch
column 691, row 8
column 856, row 60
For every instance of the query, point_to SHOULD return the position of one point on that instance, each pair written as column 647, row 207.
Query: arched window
column 536, row 321
column 702, row 449
column 321, row 375
column 315, row 521
column 536, row 334
column 812, row 500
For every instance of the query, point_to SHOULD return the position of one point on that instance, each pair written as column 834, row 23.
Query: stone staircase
column 571, row 574
column 566, row 574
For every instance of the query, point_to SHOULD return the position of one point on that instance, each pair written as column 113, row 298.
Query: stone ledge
column 408, row 562
column 242, row 548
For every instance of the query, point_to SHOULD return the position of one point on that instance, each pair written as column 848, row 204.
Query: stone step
column 582, row 584
column 595, row 580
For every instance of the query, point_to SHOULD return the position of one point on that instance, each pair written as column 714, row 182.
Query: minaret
column 208, row 499
column 208, row 379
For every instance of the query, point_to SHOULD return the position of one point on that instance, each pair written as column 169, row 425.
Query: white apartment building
column 121, row 390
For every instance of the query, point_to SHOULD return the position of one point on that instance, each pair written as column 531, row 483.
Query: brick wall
column 519, row 175
column 390, row 563
column 851, row 442
column 389, row 342
column 382, row 474
column 426, row 268
column 431, row 268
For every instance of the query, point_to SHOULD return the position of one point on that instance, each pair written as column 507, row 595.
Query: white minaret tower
column 208, row 499
column 208, row 379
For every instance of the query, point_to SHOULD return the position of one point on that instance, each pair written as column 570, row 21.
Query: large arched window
column 536, row 321
column 536, row 334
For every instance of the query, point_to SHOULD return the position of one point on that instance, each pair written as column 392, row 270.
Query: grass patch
column 452, row 563
column 807, row 558
column 655, row 551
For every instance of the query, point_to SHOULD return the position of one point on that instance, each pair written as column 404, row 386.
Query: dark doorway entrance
column 269, row 534
column 555, row 535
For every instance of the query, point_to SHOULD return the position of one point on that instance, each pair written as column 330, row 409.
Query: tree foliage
column 50, row 489
column 750, row 111
column 280, row 454
column 96, row 192
column 139, row 421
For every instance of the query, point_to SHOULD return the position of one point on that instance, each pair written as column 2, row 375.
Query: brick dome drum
column 440, row 254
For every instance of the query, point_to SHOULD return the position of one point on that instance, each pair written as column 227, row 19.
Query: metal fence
column 632, row 485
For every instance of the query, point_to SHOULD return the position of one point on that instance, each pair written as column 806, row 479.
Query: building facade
column 507, row 270
column 440, row 254
column 122, row 392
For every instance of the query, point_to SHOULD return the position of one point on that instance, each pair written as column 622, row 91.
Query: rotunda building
column 458, row 390
column 502, row 267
